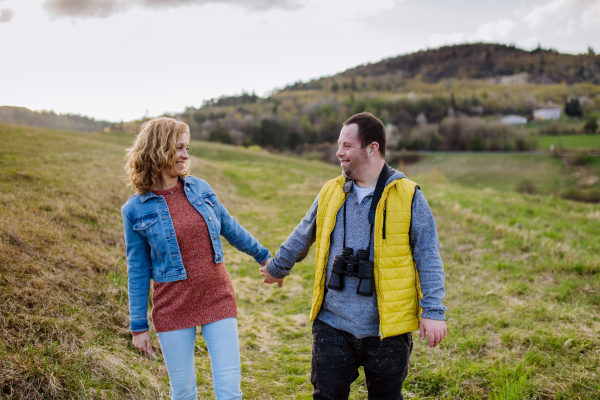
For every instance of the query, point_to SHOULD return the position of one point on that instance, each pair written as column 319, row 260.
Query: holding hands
column 267, row 278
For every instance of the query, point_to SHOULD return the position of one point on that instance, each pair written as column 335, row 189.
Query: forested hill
column 418, row 96
column 49, row 119
column 477, row 61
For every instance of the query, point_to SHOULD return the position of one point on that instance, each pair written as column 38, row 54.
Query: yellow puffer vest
column 396, row 277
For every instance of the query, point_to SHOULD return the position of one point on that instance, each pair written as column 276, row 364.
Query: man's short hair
column 370, row 129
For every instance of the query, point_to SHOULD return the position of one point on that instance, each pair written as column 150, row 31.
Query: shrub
column 559, row 128
column 591, row 125
column 580, row 159
column 404, row 158
column 423, row 137
column 589, row 195
column 475, row 134
column 526, row 186
column 220, row 134
column 573, row 108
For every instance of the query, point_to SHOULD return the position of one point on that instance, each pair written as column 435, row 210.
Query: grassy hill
column 49, row 119
column 523, row 280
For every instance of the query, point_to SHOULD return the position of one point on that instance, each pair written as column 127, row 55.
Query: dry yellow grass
column 523, row 281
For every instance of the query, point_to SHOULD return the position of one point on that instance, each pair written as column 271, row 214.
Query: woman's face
column 180, row 158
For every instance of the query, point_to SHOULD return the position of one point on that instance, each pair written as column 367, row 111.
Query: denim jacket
column 152, row 249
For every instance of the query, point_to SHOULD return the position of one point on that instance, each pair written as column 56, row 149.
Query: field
column 523, row 276
column 503, row 172
column 571, row 142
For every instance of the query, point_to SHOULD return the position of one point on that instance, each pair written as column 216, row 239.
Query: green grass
column 569, row 142
column 523, row 277
column 498, row 171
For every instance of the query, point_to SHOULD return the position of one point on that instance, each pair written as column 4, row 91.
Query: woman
column 172, row 230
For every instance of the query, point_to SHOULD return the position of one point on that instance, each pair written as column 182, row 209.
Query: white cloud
column 567, row 30
column 591, row 15
column 6, row 15
column 106, row 8
column 344, row 10
column 490, row 31
column 442, row 39
column 486, row 32
column 538, row 14
column 530, row 43
column 562, row 9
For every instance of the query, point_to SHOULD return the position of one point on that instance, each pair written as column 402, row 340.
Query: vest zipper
column 384, row 213
column 414, row 263
column 417, row 287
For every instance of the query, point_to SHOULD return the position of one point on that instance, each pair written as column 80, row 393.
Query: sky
column 125, row 59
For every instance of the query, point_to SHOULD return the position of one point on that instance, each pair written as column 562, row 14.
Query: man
column 352, row 326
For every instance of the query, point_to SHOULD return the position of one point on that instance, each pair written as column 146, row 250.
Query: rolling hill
column 482, row 61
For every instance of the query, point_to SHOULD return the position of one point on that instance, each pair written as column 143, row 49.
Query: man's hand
column 267, row 278
column 434, row 330
column 142, row 342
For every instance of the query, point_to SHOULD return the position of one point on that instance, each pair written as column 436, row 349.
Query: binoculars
column 359, row 266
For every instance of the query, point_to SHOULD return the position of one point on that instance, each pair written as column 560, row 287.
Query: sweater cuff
column 433, row 315
column 138, row 333
column 276, row 272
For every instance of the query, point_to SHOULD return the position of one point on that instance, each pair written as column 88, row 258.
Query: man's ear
column 373, row 148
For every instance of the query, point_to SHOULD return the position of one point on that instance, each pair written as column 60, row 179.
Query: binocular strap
column 381, row 181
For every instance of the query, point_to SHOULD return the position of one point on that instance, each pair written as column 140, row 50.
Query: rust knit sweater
column 207, row 294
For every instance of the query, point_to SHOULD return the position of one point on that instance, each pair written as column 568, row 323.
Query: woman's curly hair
column 153, row 150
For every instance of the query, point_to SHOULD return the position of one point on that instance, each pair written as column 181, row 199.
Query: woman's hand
column 142, row 342
column 267, row 278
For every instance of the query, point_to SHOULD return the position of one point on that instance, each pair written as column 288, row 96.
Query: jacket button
column 188, row 189
column 210, row 218
column 215, row 238
column 199, row 203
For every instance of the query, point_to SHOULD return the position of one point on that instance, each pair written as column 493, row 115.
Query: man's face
column 353, row 158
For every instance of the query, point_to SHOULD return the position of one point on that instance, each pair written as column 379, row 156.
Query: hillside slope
column 523, row 280
column 484, row 60
column 49, row 119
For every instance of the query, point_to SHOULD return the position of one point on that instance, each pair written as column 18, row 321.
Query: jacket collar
column 148, row 195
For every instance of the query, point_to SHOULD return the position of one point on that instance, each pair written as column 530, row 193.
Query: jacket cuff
column 263, row 256
column 139, row 325
column 433, row 315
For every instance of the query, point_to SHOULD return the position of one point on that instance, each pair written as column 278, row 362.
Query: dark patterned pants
column 336, row 356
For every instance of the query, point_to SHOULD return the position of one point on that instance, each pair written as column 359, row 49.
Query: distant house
column 514, row 120
column 543, row 114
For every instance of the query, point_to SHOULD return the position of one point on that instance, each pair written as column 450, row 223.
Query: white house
column 546, row 114
column 514, row 120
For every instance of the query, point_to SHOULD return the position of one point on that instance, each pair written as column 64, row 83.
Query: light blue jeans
column 221, row 338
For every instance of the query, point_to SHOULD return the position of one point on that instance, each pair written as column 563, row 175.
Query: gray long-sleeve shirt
column 344, row 309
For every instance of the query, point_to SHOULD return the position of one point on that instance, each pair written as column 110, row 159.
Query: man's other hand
column 434, row 330
column 267, row 278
